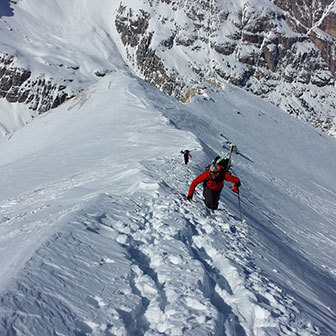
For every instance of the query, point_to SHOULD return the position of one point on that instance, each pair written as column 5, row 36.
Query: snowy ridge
column 98, row 239
column 180, row 278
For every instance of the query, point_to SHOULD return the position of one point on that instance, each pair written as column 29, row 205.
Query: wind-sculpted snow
column 97, row 237
column 147, row 266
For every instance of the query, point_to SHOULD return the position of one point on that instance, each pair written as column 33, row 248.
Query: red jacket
column 212, row 184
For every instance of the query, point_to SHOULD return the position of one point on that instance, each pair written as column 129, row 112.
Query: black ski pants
column 186, row 158
column 211, row 197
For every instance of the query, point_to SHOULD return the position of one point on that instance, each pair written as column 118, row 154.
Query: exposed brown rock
column 328, row 24
column 16, row 86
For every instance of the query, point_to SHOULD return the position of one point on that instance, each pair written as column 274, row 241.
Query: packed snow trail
column 288, row 191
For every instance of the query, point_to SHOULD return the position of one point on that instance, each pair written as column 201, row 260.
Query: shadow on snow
column 5, row 8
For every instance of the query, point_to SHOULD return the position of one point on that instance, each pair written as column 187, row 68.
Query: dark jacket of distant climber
column 186, row 155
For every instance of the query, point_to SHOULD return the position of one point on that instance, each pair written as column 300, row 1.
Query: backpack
column 224, row 162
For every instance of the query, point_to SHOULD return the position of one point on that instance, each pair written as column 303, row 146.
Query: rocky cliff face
column 313, row 17
column 18, row 85
column 280, row 50
column 283, row 51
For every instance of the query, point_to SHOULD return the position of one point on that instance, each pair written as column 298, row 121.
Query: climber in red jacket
column 213, row 182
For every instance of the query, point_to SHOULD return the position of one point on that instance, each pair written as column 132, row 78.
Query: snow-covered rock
column 279, row 50
column 179, row 46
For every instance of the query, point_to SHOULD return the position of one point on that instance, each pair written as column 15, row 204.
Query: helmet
column 214, row 170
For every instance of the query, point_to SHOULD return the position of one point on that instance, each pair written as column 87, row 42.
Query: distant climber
column 186, row 154
column 213, row 181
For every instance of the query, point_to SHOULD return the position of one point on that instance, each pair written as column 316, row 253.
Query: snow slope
column 60, row 42
column 97, row 238
column 55, row 37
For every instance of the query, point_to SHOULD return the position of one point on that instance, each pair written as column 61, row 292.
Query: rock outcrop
column 19, row 85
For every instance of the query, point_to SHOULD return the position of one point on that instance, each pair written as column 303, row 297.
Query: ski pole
column 240, row 212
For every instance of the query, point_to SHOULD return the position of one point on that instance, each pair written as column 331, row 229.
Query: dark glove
column 189, row 198
column 238, row 184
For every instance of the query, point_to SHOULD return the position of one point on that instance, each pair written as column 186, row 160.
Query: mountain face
column 280, row 50
column 283, row 51
column 313, row 18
